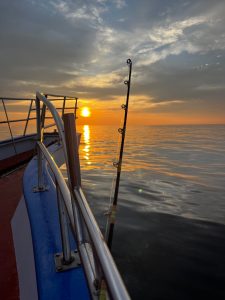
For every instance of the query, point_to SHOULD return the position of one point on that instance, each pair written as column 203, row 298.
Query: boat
column 60, row 252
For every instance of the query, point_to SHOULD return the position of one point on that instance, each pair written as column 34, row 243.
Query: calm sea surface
column 169, row 239
column 178, row 170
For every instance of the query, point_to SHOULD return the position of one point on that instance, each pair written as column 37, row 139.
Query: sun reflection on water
column 86, row 149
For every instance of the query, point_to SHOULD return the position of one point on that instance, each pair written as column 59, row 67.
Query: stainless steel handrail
column 29, row 118
column 60, row 179
column 58, row 122
column 17, row 120
column 62, row 96
column 115, row 285
column 113, row 278
column 19, row 99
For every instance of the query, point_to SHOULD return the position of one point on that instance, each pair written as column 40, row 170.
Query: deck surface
column 10, row 194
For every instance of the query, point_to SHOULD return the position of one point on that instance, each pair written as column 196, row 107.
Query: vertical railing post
column 75, row 108
column 63, row 107
column 40, row 186
column 28, row 117
column 66, row 249
column 43, row 113
column 8, row 122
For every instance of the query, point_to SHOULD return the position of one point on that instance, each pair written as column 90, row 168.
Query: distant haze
column 80, row 48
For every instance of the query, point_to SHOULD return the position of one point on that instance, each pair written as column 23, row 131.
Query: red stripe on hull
column 10, row 194
column 16, row 160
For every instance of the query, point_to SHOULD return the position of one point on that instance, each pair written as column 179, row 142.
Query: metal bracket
column 115, row 164
column 61, row 265
column 121, row 130
column 43, row 188
column 129, row 62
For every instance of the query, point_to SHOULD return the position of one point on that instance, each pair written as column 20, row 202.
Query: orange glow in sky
column 94, row 112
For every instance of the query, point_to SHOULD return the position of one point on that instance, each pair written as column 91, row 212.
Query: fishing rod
column 112, row 210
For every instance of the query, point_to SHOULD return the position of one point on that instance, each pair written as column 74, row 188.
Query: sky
column 80, row 48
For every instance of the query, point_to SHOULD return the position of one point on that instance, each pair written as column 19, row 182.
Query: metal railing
column 63, row 108
column 100, row 270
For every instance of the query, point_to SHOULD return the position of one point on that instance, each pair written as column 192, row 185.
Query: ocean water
column 169, row 239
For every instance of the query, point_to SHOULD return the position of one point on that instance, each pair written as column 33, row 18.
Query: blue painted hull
column 44, row 223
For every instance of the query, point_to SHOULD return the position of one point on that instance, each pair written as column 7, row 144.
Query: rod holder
column 72, row 150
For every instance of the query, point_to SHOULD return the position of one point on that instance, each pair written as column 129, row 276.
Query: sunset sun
column 85, row 112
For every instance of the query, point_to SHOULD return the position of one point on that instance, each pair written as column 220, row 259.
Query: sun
column 85, row 112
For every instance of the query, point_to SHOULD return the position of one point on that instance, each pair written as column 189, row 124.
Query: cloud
column 98, row 81
column 120, row 3
column 211, row 87
column 80, row 47
column 171, row 33
column 77, row 12
column 144, row 104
